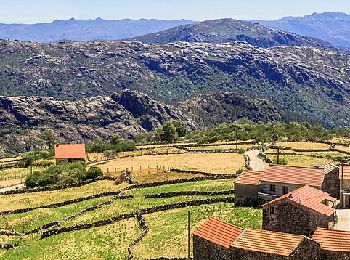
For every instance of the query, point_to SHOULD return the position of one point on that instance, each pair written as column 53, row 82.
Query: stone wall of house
column 331, row 183
column 308, row 249
column 205, row 250
column 328, row 255
column 292, row 218
column 246, row 194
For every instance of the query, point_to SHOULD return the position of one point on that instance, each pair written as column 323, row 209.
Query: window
column 284, row 190
column 272, row 210
column 272, row 187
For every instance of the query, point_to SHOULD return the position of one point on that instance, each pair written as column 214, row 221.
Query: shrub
column 281, row 161
column 64, row 174
column 93, row 173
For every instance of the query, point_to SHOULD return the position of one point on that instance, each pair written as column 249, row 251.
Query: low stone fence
column 144, row 230
column 188, row 193
column 202, row 173
column 62, row 187
column 7, row 246
column 196, row 179
column 145, row 211
column 9, row 233
column 67, row 202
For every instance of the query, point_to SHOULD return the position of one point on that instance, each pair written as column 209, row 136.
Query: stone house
column 278, row 180
column 68, row 153
column 217, row 240
column 334, row 243
column 301, row 212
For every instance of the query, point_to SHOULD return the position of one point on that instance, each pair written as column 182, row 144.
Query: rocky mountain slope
column 331, row 27
column 85, row 30
column 208, row 110
column 23, row 119
column 310, row 83
column 230, row 30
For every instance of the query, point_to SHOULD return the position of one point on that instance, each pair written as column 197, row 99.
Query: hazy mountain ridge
column 331, row 26
column 230, row 30
column 85, row 30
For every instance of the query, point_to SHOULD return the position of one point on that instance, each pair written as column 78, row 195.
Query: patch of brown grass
column 305, row 145
column 16, row 201
column 212, row 163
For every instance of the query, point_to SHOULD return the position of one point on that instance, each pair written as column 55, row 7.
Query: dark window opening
column 284, row 190
column 272, row 187
column 272, row 210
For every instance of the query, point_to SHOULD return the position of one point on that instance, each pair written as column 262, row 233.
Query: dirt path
column 255, row 163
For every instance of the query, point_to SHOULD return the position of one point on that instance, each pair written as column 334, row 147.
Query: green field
column 167, row 229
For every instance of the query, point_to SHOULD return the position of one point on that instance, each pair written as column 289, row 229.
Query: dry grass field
column 11, row 202
column 303, row 160
column 304, row 145
column 212, row 163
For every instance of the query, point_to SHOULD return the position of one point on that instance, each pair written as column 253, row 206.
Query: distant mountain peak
column 230, row 30
column 333, row 27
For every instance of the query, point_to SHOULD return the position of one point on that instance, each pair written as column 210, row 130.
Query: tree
column 50, row 138
column 181, row 129
column 168, row 133
column 115, row 139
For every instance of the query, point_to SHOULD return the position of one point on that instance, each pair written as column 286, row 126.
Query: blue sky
column 33, row 11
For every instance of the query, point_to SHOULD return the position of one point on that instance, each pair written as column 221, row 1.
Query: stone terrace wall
column 205, row 250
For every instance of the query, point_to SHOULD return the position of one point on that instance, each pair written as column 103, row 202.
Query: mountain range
column 85, row 30
column 202, row 74
column 230, row 30
column 330, row 27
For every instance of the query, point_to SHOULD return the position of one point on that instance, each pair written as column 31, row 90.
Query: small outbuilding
column 301, row 212
column 217, row 240
column 334, row 244
column 68, row 153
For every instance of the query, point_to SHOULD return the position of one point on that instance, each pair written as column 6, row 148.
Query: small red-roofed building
column 213, row 240
column 334, row 244
column 301, row 212
column 247, row 187
column 217, row 240
column 68, row 153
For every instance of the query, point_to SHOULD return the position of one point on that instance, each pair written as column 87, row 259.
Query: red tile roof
column 332, row 240
column 346, row 173
column 229, row 236
column 308, row 197
column 252, row 178
column 268, row 242
column 70, row 151
column 218, row 232
column 294, row 175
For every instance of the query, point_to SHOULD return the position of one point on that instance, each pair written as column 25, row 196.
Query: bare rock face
column 126, row 113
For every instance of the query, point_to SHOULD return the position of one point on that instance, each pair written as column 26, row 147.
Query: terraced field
column 110, row 239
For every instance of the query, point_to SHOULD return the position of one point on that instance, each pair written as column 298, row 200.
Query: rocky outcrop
column 127, row 113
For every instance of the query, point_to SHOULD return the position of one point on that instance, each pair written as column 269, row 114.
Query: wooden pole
column 189, row 234
column 236, row 138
